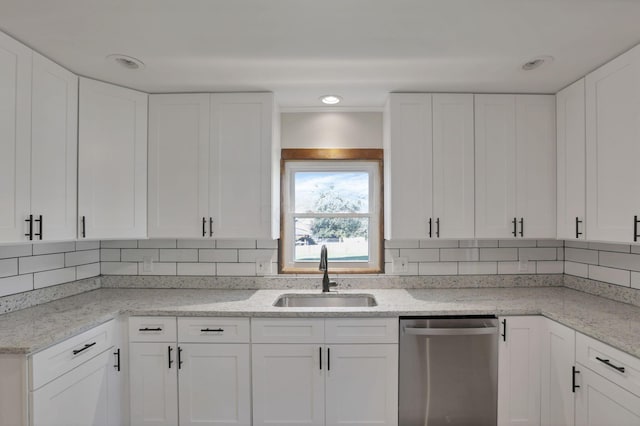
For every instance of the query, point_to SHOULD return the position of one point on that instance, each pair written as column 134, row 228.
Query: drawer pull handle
column 212, row 330
column 150, row 329
column 607, row 362
column 169, row 349
column 86, row 346
column 117, row 364
column 573, row 379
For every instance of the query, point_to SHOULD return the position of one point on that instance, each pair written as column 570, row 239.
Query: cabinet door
column 453, row 169
column 15, row 134
column 601, row 402
column 75, row 398
column 153, row 384
column 54, row 149
column 288, row 384
column 214, row 382
column 240, row 165
column 613, row 148
column 495, row 131
column 536, row 165
column 408, row 161
column 178, row 165
column 571, row 151
column 112, row 165
column 519, row 371
column 362, row 385
column 558, row 358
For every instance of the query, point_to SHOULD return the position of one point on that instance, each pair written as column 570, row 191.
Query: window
column 334, row 201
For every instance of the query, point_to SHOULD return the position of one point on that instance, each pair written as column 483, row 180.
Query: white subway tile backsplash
column 81, row 257
column 16, row 251
column 169, row 244
column 420, row 255
column 634, row 249
column 635, row 280
column 236, row 244
column 119, row 244
column 549, row 267
column 560, row 253
column 47, row 248
column 119, row 268
column 198, row 244
column 478, row 243
column 610, row 247
column 178, row 255
column 517, row 243
column 620, row 260
column 218, row 255
column 255, row 255
column 236, row 269
column 54, row 277
column 16, row 284
column 87, row 271
column 576, row 244
column 109, row 255
column 550, row 243
column 610, row 275
column 390, row 254
column 201, row 269
column 477, row 268
column 412, row 269
column 510, row 268
column 438, row 268
column 438, row 243
column 581, row 255
column 499, row 254
column 8, row 267
column 160, row 268
column 577, row 269
column 402, row 244
column 267, row 244
column 40, row 263
column 87, row 245
column 460, row 254
column 138, row 255
column 539, row 253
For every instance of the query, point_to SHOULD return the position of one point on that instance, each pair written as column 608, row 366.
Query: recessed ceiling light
column 330, row 99
column 128, row 62
column 537, row 62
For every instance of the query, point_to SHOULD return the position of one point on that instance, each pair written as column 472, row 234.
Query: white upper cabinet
column 613, row 149
column 54, row 150
column 212, row 160
column 178, row 166
column 408, row 154
column 429, row 166
column 515, row 166
column 571, row 150
column 240, row 161
column 15, row 129
column 112, row 175
column 453, row 166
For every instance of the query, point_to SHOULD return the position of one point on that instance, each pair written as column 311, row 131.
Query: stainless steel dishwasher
column 448, row 371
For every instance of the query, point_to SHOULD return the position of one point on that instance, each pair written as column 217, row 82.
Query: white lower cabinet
column 327, row 381
column 288, row 384
column 558, row 345
column 519, row 371
column 191, row 374
column 153, row 384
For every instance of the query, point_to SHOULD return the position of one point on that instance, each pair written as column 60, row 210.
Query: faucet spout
column 324, row 266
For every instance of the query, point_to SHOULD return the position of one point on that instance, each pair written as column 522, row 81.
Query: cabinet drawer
column 152, row 329
column 609, row 362
column 53, row 362
column 211, row 330
column 287, row 330
column 361, row 330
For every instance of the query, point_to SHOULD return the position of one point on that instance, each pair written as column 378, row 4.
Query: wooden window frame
column 332, row 154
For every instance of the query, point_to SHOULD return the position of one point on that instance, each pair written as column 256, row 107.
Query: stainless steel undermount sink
column 332, row 300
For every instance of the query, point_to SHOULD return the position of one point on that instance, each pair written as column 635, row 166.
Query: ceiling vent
column 127, row 62
column 537, row 62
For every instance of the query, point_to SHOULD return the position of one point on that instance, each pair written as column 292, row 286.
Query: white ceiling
column 301, row 49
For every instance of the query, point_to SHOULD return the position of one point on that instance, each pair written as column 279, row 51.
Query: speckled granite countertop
column 33, row 329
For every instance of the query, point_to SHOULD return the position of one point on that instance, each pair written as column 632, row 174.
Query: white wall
column 331, row 130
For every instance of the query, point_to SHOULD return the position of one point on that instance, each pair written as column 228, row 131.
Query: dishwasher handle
column 473, row 331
